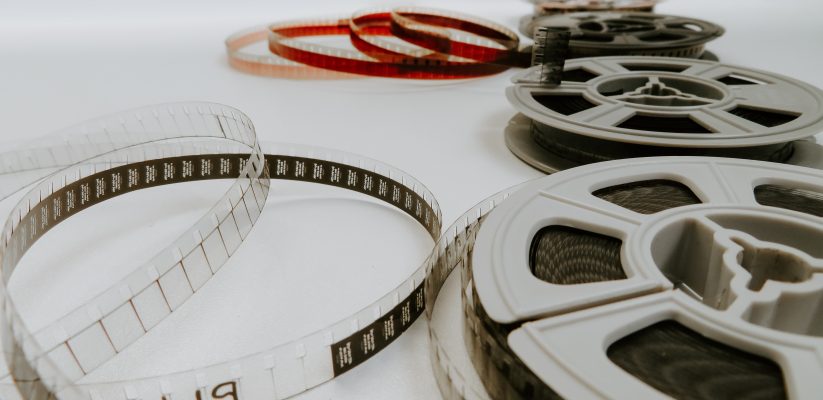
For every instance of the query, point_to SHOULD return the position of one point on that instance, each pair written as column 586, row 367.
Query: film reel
column 682, row 277
column 630, row 34
column 620, row 107
column 545, row 7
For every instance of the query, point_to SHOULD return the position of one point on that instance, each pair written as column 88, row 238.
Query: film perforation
column 80, row 195
column 359, row 346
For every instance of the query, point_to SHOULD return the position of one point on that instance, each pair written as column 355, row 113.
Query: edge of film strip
column 122, row 139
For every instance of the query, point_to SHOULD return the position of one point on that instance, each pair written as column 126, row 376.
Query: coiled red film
column 442, row 45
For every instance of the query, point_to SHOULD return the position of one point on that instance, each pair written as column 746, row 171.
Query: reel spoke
column 771, row 97
column 605, row 114
column 723, row 123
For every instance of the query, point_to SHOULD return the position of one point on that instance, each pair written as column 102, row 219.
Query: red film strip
column 442, row 46
column 489, row 43
column 270, row 65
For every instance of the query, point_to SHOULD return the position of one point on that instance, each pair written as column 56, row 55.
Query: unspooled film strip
column 437, row 45
column 48, row 363
column 124, row 145
column 613, row 265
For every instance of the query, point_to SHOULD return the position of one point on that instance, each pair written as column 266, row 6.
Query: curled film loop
column 49, row 363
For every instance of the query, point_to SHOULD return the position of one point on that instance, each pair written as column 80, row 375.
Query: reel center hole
column 657, row 89
column 768, row 263
column 705, row 254
column 628, row 25
column 662, row 91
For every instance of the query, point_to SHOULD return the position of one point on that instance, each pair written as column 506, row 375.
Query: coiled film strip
column 48, row 363
column 442, row 45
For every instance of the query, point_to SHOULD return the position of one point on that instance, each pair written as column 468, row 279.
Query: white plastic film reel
column 743, row 276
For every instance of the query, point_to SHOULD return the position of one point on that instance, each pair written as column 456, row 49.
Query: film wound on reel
column 619, row 107
column 667, row 277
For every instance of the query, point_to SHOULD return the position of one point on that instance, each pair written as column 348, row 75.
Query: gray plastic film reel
column 620, row 107
column 548, row 7
column 728, row 284
column 626, row 33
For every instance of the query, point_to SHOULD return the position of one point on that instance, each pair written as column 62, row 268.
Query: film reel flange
column 620, row 107
column 686, row 277
column 625, row 33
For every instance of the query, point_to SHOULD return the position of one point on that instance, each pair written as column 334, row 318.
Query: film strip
column 49, row 363
column 111, row 144
column 441, row 45
column 549, row 53
column 243, row 59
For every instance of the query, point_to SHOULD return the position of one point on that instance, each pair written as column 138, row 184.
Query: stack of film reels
column 692, row 272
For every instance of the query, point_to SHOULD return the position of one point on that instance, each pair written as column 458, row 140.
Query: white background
column 63, row 62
